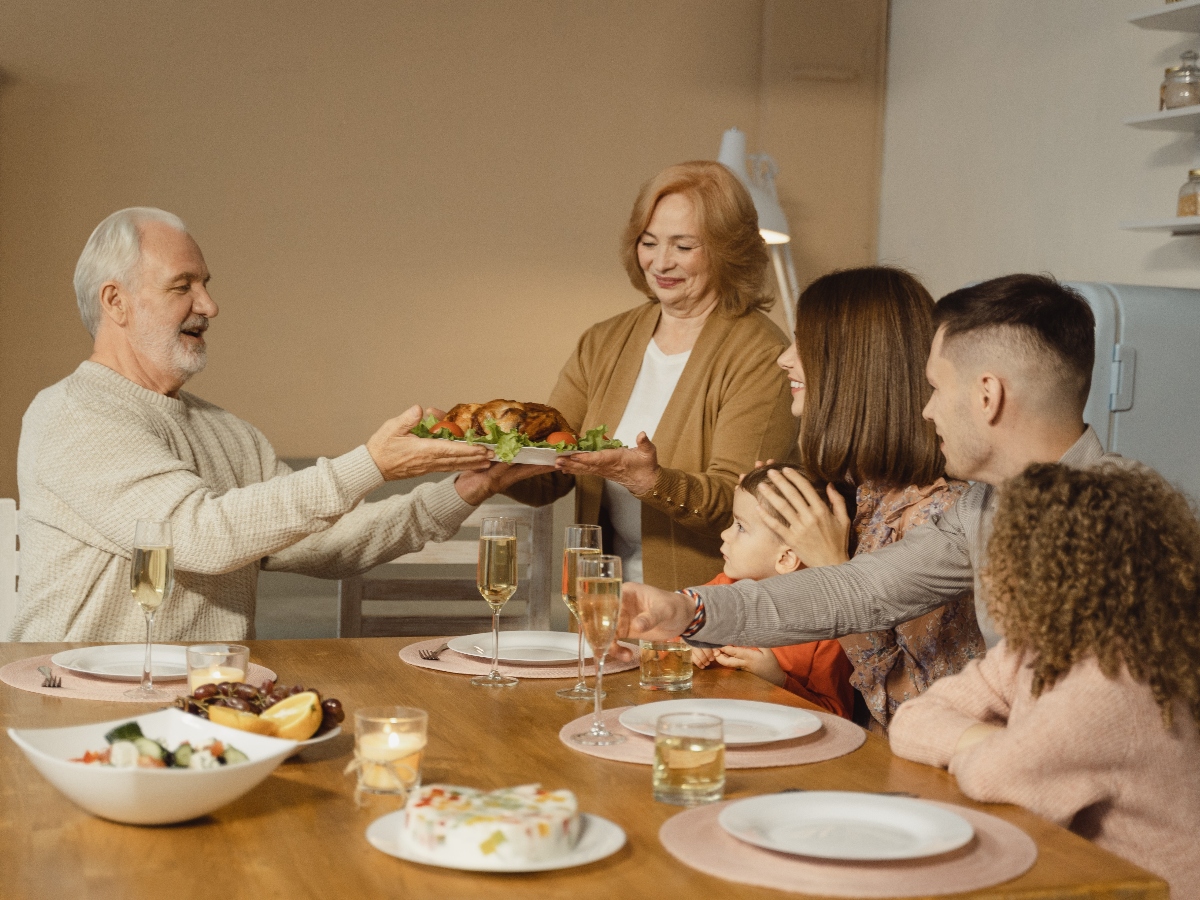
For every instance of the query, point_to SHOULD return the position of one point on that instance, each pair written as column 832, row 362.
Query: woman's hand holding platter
column 636, row 468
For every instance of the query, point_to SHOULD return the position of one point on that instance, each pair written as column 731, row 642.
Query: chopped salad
column 128, row 748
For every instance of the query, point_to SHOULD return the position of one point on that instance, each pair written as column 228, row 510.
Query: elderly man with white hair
column 118, row 441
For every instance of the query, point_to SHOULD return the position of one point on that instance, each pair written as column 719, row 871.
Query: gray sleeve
column 930, row 567
column 375, row 533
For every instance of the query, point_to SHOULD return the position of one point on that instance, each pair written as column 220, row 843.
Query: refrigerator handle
column 1120, row 392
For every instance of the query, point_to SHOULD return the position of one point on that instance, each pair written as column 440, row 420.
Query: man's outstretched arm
column 928, row 568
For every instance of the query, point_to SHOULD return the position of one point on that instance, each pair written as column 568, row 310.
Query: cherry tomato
column 448, row 426
column 562, row 437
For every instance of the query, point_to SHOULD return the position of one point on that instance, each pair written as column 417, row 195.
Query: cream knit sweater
column 98, row 452
column 1090, row 754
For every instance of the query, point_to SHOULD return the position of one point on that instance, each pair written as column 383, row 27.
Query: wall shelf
column 1186, row 118
column 1182, row 16
column 1175, row 225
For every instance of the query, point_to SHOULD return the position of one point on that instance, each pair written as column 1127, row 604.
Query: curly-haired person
column 1086, row 712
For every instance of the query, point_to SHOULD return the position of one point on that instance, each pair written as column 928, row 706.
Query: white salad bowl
column 150, row 796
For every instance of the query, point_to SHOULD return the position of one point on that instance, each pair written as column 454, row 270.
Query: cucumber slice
column 182, row 756
column 150, row 748
column 233, row 756
column 126, row 732
column 123, row 755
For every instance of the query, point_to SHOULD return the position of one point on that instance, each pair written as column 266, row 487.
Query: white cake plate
column 598, row 838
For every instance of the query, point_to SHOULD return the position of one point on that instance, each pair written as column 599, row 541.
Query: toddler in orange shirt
column 818, row 671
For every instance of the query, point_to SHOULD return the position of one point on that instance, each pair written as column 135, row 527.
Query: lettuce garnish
column 508, row 444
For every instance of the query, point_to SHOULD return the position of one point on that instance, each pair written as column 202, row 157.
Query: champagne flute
column 496, row 579
column 582, row 540
column 150, row 582
column 599, row 600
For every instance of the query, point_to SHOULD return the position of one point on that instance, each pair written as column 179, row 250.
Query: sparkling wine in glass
column 581, row 541
column 150, row 582
column 496, row 579
column 599, row 602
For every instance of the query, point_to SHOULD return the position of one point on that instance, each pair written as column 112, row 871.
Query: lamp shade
column 772, row 224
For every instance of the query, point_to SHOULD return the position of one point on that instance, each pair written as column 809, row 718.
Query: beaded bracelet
column 698, row 619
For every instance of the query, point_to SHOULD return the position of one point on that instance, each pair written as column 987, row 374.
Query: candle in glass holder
column 389, row 745
column 214, row 663
column 214, row 675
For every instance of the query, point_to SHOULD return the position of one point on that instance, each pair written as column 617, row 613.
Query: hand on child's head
column 815, row 527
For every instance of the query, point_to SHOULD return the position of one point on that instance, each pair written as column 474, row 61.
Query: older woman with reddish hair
column 687, row 380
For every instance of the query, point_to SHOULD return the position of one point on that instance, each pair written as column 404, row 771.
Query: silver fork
column 49, row 679
column 432, row 655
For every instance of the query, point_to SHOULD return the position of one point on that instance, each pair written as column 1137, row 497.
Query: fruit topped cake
column 459, row 825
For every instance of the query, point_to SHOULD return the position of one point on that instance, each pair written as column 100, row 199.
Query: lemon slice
column 243, row 721
column 297, row 718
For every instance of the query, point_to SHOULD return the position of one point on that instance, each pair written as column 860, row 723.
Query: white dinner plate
column 524, row 648
column 846, row 825
column 123, row 662
column 598, row 838
column 746, row 721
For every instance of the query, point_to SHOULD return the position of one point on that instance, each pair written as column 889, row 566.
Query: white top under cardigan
column 652, row 392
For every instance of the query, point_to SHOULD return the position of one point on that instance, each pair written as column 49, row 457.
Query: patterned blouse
column 893, row 665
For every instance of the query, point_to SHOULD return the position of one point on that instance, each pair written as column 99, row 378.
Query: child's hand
column 703, row 657
column 758, row 661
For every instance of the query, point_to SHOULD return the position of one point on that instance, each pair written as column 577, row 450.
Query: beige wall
column 1004, row 149
column 407, row 201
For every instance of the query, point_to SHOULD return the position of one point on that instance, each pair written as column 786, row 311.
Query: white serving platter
column 598, row 838
column 746, row 721
column 846, row 825
column 538, row 456
column 123, row 662
column 523, row 648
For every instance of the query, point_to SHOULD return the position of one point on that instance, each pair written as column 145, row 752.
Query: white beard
column 170, row 351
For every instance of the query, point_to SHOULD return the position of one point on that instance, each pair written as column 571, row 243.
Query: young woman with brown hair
column 857, row 371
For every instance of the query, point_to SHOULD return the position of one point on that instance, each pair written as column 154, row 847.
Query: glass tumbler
column 689, row 758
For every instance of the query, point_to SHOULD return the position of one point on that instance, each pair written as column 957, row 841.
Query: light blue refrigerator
column 1145, row 397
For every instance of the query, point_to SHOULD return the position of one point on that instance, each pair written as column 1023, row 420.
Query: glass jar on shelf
column 1181, row 84
column 1189, row 195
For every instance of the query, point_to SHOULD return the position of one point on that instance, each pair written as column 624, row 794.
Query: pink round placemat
column 837, row 737
column 24, row 674
column 458, row 664
column 999, row 852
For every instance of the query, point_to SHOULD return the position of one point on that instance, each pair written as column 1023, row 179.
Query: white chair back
column 413, row 600
column 10, row 566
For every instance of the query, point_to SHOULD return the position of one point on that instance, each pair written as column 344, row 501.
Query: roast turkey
column 537, row 421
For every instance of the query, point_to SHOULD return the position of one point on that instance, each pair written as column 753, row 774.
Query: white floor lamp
column 772, row 224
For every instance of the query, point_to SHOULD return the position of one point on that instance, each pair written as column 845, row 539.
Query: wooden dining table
column 300, row 834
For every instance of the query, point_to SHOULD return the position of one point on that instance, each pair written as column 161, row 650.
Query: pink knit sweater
column 1090, row 754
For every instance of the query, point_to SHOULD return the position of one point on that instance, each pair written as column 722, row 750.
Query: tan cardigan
column 731, row 407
